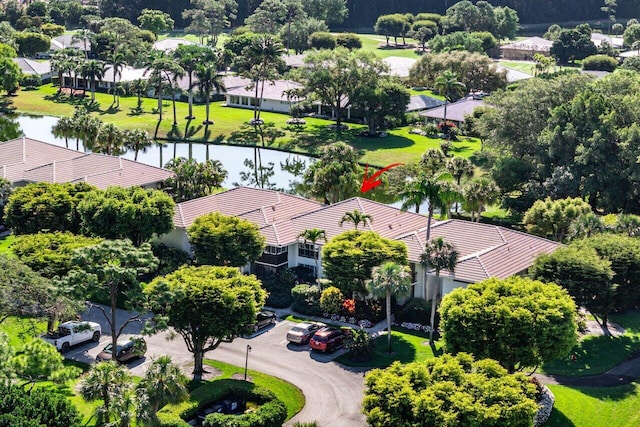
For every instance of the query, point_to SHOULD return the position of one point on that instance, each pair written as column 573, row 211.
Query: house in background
column 25, row 160
column 169, row 45
column 456, row 111
column 32, row 67
column 273, row 98
column 484, row 250
column 66, row 42
column 523, row 50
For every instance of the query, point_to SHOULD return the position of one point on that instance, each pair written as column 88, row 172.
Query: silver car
column 301, row 333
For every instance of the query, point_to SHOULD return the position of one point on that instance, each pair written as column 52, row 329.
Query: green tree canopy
column 517, row 321
column 29, row 44
column 23, row 292
column 111, row 383
column 193, row 179
column 41, row 406
column 553, row 218
column 112, row 269
column 40, row 361
column 155, row 21
column 349, row 258
column 45, row 207
column 585, row 275
column 206, row 305
column 449, row 391
column 127, row 213
column 219, row 239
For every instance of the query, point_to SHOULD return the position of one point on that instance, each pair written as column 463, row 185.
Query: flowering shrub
column 349, row 306
column 415, row 327
column 448, row 129
column 365, row 324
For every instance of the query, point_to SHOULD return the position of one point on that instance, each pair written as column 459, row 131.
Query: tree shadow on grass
column 6, row 105
column 389, row 142
column 558, row 419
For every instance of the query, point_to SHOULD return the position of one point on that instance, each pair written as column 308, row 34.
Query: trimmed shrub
column 632, row 63
column 349, row 40
column 599, row 63
column 360, row 345
column 306, row 299
column 30, row 81
column 416, row 310
column 322, row 40
column 271, row 413
column 331, row 300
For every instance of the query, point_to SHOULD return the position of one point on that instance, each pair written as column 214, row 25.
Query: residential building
column 25, row 160
column 272, row 98
column 484, row 250
column 32, row 67
column 524, row 50
column 456, row 111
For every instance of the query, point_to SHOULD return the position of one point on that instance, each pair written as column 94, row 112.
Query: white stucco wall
column 177, row 238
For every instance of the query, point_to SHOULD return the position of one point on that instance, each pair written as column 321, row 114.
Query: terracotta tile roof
column 263, row 207
column 489, row 251
column 29, row 160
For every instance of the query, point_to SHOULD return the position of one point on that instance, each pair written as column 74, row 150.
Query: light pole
column 246, row 361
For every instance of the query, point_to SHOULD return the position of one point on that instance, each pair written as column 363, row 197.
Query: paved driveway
column 333, row 392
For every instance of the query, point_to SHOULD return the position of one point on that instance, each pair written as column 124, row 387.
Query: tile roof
column 489, row 251
column 66, row 41
column 423, row 102
column 275, row 90
column 30, row 66
column 263, row 207
column 29, row 160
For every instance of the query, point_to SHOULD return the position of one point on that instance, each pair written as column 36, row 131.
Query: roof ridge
column 180, row 214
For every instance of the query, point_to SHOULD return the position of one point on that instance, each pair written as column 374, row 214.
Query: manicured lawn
column 597, row 354
column 19, row 330
column 405, row 348
column 595, row 407
column 370, row 43
column 291, row 395
column 398, row 146
column 523, row 66
column 5, row 242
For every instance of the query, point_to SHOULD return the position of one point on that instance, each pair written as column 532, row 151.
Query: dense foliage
column 451, row 391
column 516, row 321
column 19, row 407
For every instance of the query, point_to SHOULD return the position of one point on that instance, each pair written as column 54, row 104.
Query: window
column 275, row 250
column 308, row 268
column 307, row 250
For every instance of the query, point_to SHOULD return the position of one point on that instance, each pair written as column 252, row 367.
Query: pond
column 231, row 157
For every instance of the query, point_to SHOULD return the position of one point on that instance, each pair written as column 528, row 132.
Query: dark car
column 328, row 339
column 263, row 319
column 302, row 332
column 131, row 348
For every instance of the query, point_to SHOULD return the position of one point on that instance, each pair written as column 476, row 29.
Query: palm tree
column 93, row 70
column 424, row 188
column 61, row 63
column 447, row 85
column 64, row 128
column 109, row 140
column 390, row 279
column 449, row 194
column 586, row 225
column 313, row 235
column 477, row 194
column 163, row 383
column 356, row 218
column 85, row 36
column 109, row 382
column 189, row 57
column 117, row 62
column 162, row 69
column 439, row 255
column 628, row 224
column 208, row 81
column 459, row 168
column 259, row 62
column 137, row 140
column 139, row 88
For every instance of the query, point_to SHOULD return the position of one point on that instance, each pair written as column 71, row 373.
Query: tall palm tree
column 139, row 88
column 85, row 36
column 259, row 62
column 61, row 63
column 447, row 85
column 109, row 382
column 356, row 218
column 439, row 255
column 117, row 62
column 93, row 70
column 64, row 128
column 450, row 194
column 163, row 383
column 477, row 194
column 109, row 140
column 162, row 69
column 189, row 57
column 425, row 188
column 390, row 279
column 586, row 225
column 313, row 235
column 137, row 140
column 459, row 168
column 208, row 81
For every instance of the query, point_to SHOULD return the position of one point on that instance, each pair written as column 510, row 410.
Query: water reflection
column 231, row 157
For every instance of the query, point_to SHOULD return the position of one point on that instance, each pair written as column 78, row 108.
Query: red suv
column 328, row 339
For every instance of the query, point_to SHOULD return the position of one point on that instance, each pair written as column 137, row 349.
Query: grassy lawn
column 19, row 330
column 523, row 66
column 595, row 407
column 405, row 348
column 291, row 395
column 370, row 43
column 5, row 242
column 398, row 146
column 598, row 354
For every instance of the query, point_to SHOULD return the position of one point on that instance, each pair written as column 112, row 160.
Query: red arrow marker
column 371, row 182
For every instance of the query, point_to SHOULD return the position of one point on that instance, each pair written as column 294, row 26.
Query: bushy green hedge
column 271, row 410
column 416, row 310
column 306, row 299
column 599, row 63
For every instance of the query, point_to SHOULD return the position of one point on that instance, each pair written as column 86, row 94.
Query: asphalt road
column 333, row 392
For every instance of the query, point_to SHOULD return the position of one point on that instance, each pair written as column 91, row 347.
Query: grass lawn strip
column 5, row 242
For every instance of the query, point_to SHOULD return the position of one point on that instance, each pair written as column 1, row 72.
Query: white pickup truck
column 72, row 333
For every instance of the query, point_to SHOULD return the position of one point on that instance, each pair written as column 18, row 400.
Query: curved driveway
column 333, row 392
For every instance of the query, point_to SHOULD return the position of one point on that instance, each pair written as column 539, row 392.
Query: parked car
column 302, row 332
column 328, row 339
column 73, row 333
column 128, row 349
column 264, row 318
